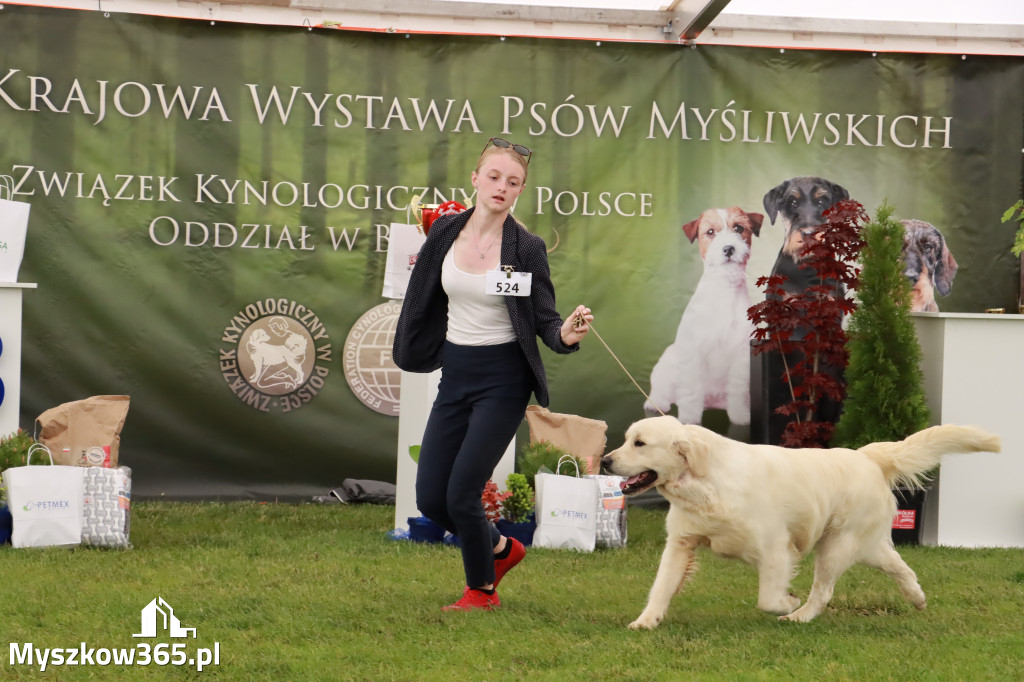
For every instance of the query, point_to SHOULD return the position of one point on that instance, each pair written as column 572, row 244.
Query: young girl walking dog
column 485, row 343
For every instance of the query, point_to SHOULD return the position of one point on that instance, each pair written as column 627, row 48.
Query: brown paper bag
column 579, row 436
column 85, row 432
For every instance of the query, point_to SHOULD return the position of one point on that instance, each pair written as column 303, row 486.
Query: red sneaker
column 503, row 566
column 473, row 600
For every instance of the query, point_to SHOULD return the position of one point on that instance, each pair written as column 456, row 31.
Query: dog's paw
column 915, row 595
column 794, row 618
column 801, row 615
column 784, row 606
column 644, row 623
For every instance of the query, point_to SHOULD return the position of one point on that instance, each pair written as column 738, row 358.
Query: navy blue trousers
column 481, row 402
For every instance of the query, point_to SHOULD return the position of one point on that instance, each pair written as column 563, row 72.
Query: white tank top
column 474, row 318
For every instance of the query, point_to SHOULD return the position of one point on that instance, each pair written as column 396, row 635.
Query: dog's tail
column 907, row 462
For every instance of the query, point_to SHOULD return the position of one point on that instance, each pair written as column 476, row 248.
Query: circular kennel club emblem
column 276, row 355
column 371, row 373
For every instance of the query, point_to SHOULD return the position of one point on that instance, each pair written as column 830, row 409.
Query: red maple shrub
column 805, row 328
column 492, row 499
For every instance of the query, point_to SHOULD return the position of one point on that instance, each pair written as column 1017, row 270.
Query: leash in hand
column 579, row 322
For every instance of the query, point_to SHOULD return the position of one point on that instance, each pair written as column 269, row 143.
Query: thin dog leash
column 580, row 322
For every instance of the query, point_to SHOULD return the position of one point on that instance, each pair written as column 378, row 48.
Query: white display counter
column 10, row 354
column 973, row 367
column 418, row 394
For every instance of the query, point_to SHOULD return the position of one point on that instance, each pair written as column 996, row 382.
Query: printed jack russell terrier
column 708, row 365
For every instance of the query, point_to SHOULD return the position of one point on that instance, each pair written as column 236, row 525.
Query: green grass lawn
column 308, row 592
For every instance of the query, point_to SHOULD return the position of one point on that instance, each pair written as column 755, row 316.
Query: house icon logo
column 157, row 613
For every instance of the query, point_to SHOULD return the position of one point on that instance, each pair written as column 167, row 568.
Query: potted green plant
column 1016, row 212
column 14, row 448
column 885, row 398
column 517, row 517
column 13, row 453
column 542, row 457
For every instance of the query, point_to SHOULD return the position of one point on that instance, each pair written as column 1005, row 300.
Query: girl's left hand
column 576, row 325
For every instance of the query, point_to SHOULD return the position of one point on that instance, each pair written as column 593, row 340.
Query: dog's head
column 724, row 234
column 802, row 202
column 659, row 451
column 258, row 336
column 927, row 263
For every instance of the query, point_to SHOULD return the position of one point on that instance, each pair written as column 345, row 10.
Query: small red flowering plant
column 806, row 328
column 492, row 500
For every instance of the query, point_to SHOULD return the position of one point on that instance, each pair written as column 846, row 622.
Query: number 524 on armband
column 509, row 283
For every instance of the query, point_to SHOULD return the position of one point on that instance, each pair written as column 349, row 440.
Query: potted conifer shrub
column 517, row 517
column 885, row 398
column 542, row 457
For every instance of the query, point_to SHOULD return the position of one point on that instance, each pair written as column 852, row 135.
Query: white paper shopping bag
column 45, row 503
column 566, row 511
column 404, row 242
column 13, row 228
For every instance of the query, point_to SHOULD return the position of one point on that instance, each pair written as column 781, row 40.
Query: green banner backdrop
column 204, row 196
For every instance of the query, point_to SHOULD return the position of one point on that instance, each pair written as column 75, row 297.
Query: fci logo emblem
column 371, row 373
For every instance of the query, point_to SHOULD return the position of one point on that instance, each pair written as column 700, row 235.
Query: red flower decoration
column 450, row 208
column 429, row 213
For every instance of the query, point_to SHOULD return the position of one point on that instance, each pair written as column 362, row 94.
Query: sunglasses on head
column 505, row 144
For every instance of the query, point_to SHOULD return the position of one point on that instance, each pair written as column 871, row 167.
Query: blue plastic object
column 422, row 529
column 397, row 534
column 6, row 525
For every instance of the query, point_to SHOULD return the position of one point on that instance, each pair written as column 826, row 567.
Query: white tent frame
column 685, row 23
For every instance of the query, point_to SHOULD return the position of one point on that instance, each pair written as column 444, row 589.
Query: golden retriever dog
column 769, row 506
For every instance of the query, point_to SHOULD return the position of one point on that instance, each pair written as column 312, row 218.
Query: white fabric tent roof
column 951, row 26
column 931, row 11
